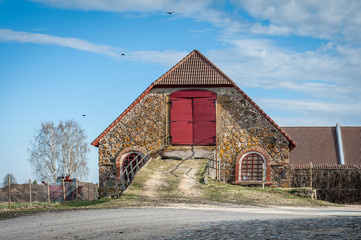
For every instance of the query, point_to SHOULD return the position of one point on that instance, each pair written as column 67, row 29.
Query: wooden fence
column 39, row 193
column 334, row 183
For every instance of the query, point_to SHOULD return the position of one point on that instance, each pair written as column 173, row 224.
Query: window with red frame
column 128, row 162
column 252, row 167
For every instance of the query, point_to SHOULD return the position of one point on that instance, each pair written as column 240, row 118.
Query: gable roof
column 319, row 145
column 315, row 144
column 193, row 70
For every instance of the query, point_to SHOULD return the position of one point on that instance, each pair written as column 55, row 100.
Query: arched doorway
column 193, row 117
column 131, row 163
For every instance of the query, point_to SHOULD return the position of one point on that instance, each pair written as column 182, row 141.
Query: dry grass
column 172, row 172
column 170, row 188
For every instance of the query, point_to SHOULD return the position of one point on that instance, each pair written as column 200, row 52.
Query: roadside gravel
column 188, row 222
column 320, row 228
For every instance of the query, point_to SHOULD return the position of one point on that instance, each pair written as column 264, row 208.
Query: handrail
column 138, row 164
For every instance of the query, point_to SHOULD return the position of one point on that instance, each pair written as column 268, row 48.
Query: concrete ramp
column 188, row 152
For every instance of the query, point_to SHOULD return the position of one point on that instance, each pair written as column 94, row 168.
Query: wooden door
column 193, row 117
column 204, row 121
column 181, row 128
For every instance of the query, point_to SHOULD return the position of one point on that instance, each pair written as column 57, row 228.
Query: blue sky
column 59, row 59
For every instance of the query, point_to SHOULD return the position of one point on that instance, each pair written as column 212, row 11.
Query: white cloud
column 200, row 10
column 258, row 63
column 7, row 35
column 183, row 6
column 166, row 58
column 332, row 19
column 312, row 112
column 107, row 5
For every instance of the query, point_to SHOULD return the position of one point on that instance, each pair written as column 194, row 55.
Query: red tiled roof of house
column 319, row 145
column 314, row 144
column 351, row 141
column 194, row 70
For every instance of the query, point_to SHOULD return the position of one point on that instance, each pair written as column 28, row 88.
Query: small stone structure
column 248, row 146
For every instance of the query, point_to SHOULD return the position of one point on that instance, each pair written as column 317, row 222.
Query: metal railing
column 213, row 167
column 127, row 174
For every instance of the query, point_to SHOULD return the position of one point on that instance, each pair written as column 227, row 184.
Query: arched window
column 252, row 167
column 131, row 160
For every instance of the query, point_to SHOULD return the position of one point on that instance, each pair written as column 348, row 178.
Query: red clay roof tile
column 194, row 69
column 351, row 141
column 319, row 145
column 314, row 144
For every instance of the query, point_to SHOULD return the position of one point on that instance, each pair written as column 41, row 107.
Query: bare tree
column 59, row 150
column 6, row 180
column 44, row 152
column 73, row 149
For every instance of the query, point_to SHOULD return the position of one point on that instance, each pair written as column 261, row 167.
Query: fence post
column 311, row 174
column 219, row 170
column 29, row 192
column 76, row 189
column 117, row 188
column 264, row 172
column 64, row 190
column 47, row 181
column 123, row 184
column 136, row 164
column 9, row 192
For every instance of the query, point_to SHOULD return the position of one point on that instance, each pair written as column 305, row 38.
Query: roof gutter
column 339, row 144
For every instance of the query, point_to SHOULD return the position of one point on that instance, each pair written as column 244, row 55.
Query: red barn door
column 204, row 118
column 193, row 117
column 181, row 121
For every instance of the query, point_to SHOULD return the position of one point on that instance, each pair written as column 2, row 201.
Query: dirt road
column 170, row 222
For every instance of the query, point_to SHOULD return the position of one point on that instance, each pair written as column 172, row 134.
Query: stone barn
column 196, row 111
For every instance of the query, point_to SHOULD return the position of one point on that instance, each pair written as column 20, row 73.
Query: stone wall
column 143, row 129
column 240, row 127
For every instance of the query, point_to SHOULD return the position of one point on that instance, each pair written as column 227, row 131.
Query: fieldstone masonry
column 142, row 129
column 240, row 128
column 243, row 127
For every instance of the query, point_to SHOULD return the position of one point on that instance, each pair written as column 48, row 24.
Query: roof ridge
column 174, row 67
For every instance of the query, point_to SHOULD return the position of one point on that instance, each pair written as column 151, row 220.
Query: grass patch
column 22, row 205
column 226, row 193
column 171, row 175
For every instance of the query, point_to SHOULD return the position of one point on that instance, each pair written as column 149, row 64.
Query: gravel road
column 188, row 222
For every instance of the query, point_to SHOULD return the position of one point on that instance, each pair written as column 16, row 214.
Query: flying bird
column 83, row 115
column 170, row 13
column 122, row 55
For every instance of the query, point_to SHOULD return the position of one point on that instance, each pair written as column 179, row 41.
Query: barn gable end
column 241, row 127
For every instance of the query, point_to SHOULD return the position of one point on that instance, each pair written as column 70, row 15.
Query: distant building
column 326, row 145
